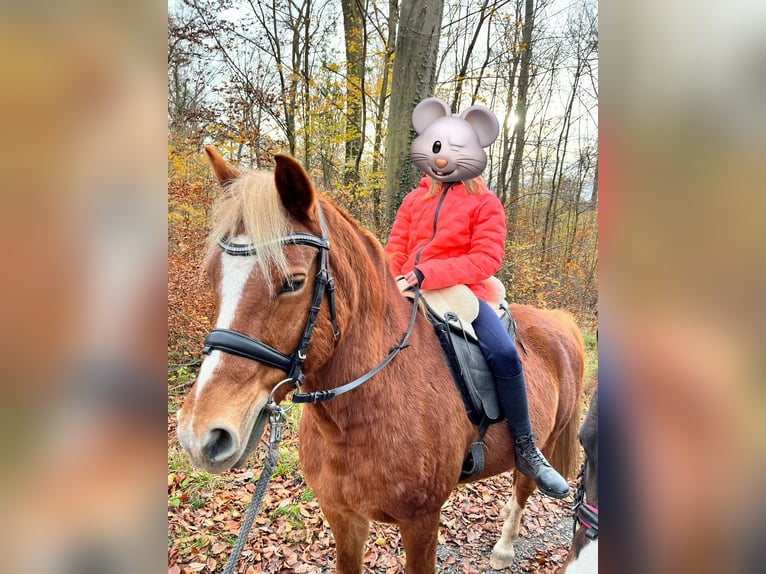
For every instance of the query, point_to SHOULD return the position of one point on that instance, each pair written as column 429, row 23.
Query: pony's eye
column 437, row 146
column 292, row 284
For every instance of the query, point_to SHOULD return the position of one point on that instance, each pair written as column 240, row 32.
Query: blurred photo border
column 682, row 129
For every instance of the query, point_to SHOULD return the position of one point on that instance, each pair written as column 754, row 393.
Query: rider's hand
column 414, row 278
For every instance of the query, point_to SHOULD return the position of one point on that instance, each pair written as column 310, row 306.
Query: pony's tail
column 566, row 453
column 565, row 457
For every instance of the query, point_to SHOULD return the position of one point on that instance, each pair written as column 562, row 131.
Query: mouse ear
column 427, row 112
column 483, row 122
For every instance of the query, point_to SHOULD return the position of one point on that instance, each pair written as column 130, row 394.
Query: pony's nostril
column 220, row 444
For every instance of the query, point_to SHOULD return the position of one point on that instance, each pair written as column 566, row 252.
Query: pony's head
column 263, row 280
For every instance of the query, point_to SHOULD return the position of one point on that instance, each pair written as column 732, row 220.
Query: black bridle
column 585, row 515
column 242, row 345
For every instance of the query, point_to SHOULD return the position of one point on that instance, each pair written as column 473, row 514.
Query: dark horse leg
column 350, row 531
column 419, row 538
column 503, row 552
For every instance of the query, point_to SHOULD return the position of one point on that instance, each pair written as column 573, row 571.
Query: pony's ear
column 427, row 112
column 294, row 187
column 484, row 122
column 224, row 171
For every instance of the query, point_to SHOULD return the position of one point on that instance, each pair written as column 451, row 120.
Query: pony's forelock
column 251, row 206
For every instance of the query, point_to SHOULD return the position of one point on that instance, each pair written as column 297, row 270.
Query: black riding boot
column 530, row 461
column 512, row 394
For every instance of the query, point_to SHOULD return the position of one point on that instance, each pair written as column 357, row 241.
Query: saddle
column 451, row 311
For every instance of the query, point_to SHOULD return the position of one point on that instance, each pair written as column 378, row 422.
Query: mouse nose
column 440, row 162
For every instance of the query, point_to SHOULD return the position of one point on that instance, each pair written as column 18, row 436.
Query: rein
column 320, row 396
column 584, row 514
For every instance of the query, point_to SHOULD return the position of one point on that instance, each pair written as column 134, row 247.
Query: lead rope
column 276, row 416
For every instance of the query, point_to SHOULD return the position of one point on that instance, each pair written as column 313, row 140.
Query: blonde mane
column 251, row 206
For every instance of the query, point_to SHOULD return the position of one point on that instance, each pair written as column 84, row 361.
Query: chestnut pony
column 391, row 449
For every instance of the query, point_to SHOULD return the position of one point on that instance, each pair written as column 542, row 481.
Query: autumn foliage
column 190, row 302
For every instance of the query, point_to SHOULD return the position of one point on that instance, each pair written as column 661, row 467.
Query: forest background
column 318, row 79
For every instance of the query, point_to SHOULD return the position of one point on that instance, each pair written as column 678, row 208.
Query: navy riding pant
column 503, row 360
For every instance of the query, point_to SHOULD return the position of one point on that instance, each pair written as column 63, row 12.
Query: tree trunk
column 485, row 63
column 417, row 48
column 353, row 24
column 574, row 212
column 467, row 56
column 549, row 227
column 594, row 195
column 301, row 47
column 393, row 18
column 519, row 129
column 506, row 138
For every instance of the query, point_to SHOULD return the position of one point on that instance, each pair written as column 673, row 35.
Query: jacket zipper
column 436, row 218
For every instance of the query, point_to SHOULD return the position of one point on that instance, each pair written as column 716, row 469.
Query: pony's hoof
column 501, row 557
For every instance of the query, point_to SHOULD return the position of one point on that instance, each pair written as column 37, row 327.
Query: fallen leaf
column 219, row 547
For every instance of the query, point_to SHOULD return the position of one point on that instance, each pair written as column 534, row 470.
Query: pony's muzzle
column 220, row 445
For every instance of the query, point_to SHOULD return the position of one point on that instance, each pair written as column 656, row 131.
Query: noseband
column 584, row 514
column 241, row 345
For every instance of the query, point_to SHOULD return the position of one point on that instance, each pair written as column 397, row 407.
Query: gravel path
column 451, row 558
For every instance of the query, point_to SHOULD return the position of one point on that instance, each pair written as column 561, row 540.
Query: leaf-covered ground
column 291, row 535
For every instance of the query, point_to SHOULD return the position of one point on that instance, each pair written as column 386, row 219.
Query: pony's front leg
column 419, row 538
column 350, row 531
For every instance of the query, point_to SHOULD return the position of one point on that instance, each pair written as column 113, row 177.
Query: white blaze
column 235, row 271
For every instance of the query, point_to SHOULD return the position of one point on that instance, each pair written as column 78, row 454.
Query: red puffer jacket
column 461, row 237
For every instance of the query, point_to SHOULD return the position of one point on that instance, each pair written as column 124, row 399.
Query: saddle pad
column 457, row 305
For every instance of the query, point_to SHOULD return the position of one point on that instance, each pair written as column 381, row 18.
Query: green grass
column 591, row 343
column 179, row 381
column 200, row 480
column 181, row 376
column 293, row 417
column 288, row 460
column 308, row 495
column 178, row 461
column 190, row 542
column 194, row 483
column 291, row 512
